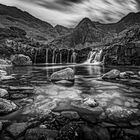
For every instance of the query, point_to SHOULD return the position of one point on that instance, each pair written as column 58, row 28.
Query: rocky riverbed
column 97, row 104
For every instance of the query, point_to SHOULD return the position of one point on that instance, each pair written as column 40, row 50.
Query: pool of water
column 57, row 97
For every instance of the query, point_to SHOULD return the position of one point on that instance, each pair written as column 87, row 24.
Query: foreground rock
column 7, row 106
column 40, row 133
column 21, row 60
column 113, row 74
column 3, row 93
column 65, row 74
column 5, row 62
column 2, row 73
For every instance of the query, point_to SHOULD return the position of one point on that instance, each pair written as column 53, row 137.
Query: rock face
column 111, row 74
column 65, row 74
column 21, row 60
column 7, row 106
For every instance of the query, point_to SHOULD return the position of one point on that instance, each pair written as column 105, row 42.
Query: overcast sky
column 70, row 12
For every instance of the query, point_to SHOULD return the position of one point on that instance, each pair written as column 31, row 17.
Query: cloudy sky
column 70, row 12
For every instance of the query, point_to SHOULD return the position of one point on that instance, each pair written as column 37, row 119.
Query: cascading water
column 47, row 55
column 94, row 58
column 60, row 58
column 73, row 57
column 53, row 57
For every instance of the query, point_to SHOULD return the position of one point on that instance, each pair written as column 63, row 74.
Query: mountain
column 83, row 35
column 127, row 21
column 61, row 30
column 35, row 28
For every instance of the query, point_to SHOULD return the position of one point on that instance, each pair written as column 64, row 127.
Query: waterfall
column 98, row 56
column 90, row 57
column 68, row 56
column 94, row 58
column 73, row 57
column 53, row 57
column 60, row 58
column 47, row 50
column 35, row 56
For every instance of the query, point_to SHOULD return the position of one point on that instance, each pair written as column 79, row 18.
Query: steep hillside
column 35, row 28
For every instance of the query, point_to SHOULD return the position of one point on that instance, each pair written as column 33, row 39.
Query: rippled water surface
column 49, row 96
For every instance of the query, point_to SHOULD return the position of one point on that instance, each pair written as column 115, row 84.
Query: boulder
column 40, row 133
column 3, row 73
column 118, row 113
column 5, row 62
column 126, row 74
column 70, row 114
column 17, row 129
column 65, row 74
column 21, row 60
column 3, row 93
column 113, row 74
column 139, row 73
column 90, row 102
column 7, row 106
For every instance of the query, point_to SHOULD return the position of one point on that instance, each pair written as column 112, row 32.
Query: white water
column 94, row 58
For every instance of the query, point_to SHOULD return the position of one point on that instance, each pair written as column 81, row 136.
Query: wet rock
column 113, row 74
column 40, row 133
column 139, row 73
column 17, row 129
column 20, row 88
column 5, row 62
column 3, row 93
column 135, row 123
column 117, row 113
column 3, row 73
column 90, row 102
column 95, row 133
column 80, row 107
column 133, row 132
column 124, row 75
column 7, row 78
column 7, row 106
column 21, row 60
column 70, row 115
column 18, row 96
column 65, row 74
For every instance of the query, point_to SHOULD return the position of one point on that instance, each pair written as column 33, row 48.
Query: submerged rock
column 70, row 114
column 90, row 102
column 21, row 60
column 65, row 74
column 40, row 133
column 118, row 113
column 3, row 93
column 113, row 74
column 17, row 129
column 7, row 106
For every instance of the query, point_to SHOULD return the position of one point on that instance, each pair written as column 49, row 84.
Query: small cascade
column 60, row 57
column 98, row 56
column 35, row 56
column 73, row 57
column 91, row 56
column 68, row 56
column 47, row 50
column 53, row 57
column 94, row 58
